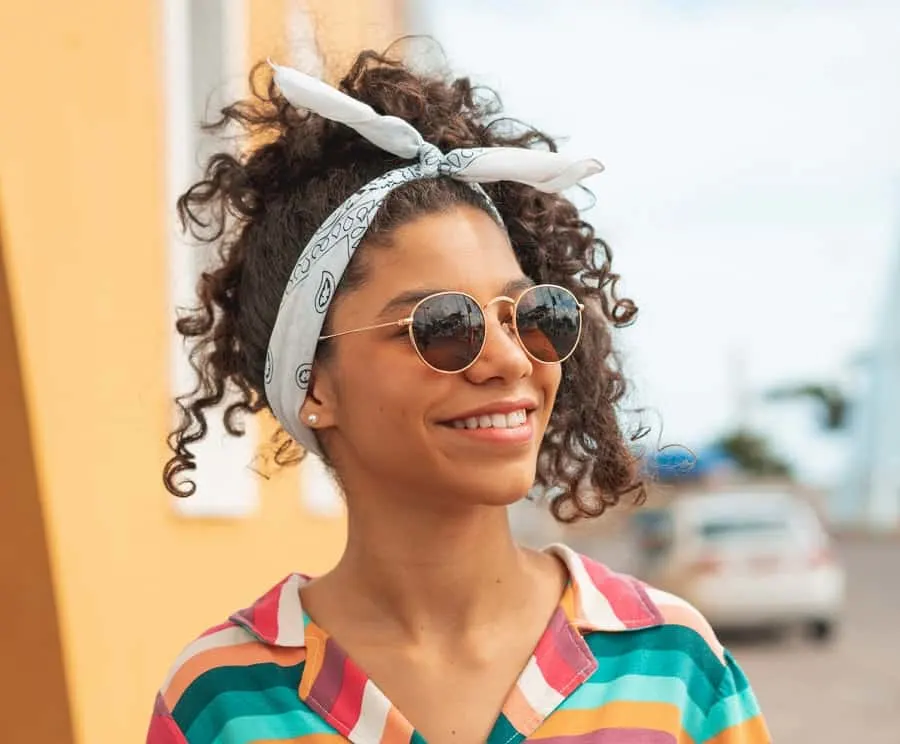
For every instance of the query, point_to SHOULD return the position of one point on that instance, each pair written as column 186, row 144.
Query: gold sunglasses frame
column 407, row 322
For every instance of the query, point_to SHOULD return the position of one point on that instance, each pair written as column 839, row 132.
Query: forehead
column 460, row 249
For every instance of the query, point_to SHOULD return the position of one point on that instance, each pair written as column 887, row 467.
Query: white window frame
column 226, row 486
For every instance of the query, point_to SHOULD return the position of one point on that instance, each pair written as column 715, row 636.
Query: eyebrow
column 413, row 296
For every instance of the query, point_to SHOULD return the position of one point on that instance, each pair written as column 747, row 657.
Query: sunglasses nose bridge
column 502, row 331
column 503, row 299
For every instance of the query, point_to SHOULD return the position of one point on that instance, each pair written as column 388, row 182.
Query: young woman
column 404, row 286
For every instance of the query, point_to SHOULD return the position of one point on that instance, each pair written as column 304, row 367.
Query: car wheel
column 821, row 631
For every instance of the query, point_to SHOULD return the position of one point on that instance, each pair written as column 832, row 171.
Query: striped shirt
column 619, row 663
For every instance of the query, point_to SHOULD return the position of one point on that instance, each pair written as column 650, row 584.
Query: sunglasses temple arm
column 398, row 323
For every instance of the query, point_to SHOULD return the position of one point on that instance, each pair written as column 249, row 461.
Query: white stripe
column 594, row 604
column 230, row 636
column 372, row 717
column 290, row 614
column 660, row 597
column 541, row 697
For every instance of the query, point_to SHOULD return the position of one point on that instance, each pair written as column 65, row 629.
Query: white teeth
column 494, row 421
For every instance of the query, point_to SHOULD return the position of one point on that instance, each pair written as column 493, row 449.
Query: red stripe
column 554, row 665
column 627, row 601
column 348, row 704
column 217, row 628
column 262, row 616
column 163, row 729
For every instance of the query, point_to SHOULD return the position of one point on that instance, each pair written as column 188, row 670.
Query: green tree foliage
column 753, row 455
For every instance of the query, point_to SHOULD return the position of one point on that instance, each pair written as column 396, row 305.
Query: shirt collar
column 597, row 600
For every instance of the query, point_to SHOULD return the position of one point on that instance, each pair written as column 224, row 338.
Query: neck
column 417, row 574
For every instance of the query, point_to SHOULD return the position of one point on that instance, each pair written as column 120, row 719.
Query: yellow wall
column 82, row 160
column 29, row 633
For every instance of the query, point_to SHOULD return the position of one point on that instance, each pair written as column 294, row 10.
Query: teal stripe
column 732, row 711
column 237, row 705
column 700, row 676
column 504, row 732
column 639, row 688
column 684, row 640
column 246, row 687
column 736, row 703
column 288, row 725
column 738, row 680
column 668, row 664
column 660, row 665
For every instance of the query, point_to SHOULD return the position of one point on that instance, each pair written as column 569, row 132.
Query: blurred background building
column 870, row 493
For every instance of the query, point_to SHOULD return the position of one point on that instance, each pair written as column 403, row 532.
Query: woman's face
column 387, row 419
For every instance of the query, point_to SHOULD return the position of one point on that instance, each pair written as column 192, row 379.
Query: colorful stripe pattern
column 619, row 663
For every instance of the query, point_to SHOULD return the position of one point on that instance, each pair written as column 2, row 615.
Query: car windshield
column 724, row 529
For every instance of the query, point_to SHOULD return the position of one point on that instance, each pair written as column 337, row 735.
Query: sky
column 752, row 186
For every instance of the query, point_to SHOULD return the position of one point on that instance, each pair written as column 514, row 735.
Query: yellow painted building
column 104, row 579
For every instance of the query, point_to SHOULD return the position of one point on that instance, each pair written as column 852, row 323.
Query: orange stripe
column 397, row 730
column 305, row 739
column 569, row 607
column 315, row 645
column 243, row 654
column 751, row 731
column 661, row 717
column 520, row 714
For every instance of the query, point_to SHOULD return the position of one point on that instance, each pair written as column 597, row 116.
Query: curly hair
column 261, row 207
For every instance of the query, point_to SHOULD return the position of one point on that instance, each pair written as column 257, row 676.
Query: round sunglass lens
column 548, row 320
column 448, row 331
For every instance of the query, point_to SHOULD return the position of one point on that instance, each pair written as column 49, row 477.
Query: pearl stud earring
column 313, row 419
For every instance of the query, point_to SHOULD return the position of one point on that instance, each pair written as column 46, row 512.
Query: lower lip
column 514, row 435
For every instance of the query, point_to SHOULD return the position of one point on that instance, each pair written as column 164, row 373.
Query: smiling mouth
column 511, row 420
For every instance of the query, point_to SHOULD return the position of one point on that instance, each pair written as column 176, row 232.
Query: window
column 205, row 65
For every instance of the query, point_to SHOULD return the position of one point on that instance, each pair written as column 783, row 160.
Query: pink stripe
column 163, row 729
column 615, row 736
column 262, row 616
column 349, row 701
column 629, row 603
column 217, row 628
column 555, row 654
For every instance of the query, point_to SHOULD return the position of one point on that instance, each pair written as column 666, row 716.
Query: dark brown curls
column 258, row 209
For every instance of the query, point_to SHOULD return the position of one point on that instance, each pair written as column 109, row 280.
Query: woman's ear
column 318, row 408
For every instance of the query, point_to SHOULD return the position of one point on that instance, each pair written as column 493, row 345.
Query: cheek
column 384, row 385
column 548, row 377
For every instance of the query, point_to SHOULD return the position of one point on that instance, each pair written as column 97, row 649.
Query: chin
column 495, row 486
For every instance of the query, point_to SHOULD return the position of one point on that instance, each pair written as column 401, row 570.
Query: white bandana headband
column 322, row 262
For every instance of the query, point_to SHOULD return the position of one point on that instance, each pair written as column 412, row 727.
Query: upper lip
column 500, row 406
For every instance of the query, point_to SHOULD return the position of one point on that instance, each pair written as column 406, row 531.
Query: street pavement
column 849, row 690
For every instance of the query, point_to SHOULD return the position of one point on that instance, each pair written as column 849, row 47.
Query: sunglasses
column 448, row 329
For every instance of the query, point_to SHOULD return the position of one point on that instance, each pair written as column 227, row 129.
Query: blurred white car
column 744, row 559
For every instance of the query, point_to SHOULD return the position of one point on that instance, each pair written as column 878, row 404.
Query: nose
column 502, row 357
